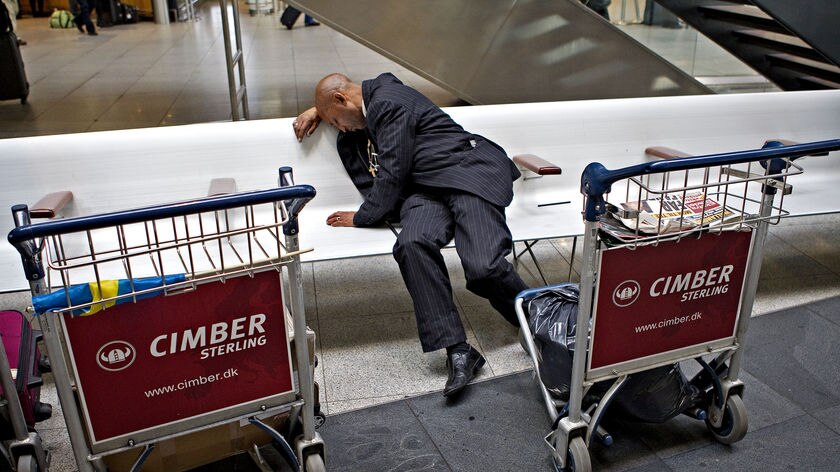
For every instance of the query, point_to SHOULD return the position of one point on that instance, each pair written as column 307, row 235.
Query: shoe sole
column 478, row 365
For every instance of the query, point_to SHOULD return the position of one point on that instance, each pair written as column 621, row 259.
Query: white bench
column 115, row 170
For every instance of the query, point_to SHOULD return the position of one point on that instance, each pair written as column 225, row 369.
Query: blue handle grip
column 597, row 179
column 22, row 234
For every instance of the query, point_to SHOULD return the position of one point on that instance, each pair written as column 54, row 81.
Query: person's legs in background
column 75, row 9
column 599, row 7
column 82, row 19
column 12, row 6
column 37, row 7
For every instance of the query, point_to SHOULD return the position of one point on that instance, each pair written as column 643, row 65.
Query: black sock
column 458, row 347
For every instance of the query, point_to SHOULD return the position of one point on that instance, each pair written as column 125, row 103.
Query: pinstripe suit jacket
column 419, row 144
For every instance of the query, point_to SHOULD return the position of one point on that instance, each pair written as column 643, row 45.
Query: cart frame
column 203, row 253
column 721, row 175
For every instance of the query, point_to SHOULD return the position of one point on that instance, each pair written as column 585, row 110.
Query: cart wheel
column 27, row 463
column 734, row 425
column 315, row 463
column 577, row 458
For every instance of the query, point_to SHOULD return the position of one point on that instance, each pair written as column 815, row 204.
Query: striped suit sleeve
column 394, row 127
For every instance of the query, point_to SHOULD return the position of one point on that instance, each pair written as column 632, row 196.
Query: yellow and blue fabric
column 105, row 289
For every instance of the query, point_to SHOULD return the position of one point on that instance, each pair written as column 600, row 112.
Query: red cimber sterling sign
column 655, row 299
column 166, row 359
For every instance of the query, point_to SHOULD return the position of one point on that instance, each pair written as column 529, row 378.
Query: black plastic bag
column 655, row 396
column 652, row 396
column 552, row 319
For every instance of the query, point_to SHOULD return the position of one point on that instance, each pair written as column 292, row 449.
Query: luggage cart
column 676, row 281
column 171, row 319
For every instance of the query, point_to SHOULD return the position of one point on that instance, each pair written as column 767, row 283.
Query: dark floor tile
column 802, row 443
column 801, row 364
column 765, row 406
column 769, row 328
column 387, row 437
column 828, row 309
column 657, row 466
column 497, row 425
column 829, row 417
column 671, row 438
column 627, row 452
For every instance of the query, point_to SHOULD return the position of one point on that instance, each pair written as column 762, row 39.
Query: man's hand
column 306, row 123
column 341, row 218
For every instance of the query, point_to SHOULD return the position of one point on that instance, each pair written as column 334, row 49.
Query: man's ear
column 340, row 98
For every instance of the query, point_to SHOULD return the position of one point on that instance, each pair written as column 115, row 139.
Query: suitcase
column 118, row 13
column 13, row 83
column 129, row 14
column 289, row 17
column 21, row 344
column 108, row 13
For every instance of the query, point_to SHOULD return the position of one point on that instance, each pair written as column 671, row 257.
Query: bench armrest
column 221, row 186
column 663, row 152
column 50, row 204
column 536, row 164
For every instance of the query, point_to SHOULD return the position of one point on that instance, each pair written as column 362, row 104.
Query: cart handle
column 530, row 293
column 19, row 236
column 597, row 180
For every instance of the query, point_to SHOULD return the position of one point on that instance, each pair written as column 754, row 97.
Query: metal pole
column 240, row 61
column 161, row 10
column 190, row 10
column 751, row 284
column 307, row 389
column 587, row 283
column 61, row 376
column 310, row 440
column 234, row 106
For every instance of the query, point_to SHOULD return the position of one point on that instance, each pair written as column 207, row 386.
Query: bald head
column 339, row 102
column 328, row 86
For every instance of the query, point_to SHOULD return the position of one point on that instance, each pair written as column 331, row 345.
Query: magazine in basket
column 672, row 212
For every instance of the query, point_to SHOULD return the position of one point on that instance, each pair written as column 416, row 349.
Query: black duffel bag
column 652, row 396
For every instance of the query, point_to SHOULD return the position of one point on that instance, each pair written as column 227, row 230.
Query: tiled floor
column 144, row 75
column 147, row 75
column 790, row 399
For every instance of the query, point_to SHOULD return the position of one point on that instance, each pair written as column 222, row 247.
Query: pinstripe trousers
column 430, row 219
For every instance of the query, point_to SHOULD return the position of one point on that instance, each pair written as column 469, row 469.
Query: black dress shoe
column 462, row 368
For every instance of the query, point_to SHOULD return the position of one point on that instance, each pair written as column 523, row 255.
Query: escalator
column 793, row 44
column 507, row 51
